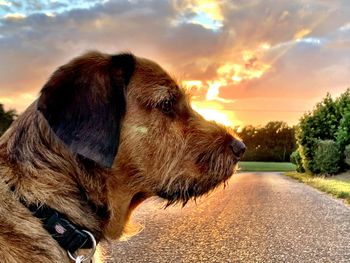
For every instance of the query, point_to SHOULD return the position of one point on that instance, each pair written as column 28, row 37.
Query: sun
column 214, row 111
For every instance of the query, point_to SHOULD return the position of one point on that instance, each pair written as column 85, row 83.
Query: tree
column 6, row 118
column 273, row 142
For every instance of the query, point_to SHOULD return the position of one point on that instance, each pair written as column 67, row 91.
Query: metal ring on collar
column 92, row 252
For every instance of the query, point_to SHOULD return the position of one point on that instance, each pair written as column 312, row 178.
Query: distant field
column 266, row 167
column 338, row 186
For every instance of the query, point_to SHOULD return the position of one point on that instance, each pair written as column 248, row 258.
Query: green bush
column 320, row 124
column 347, row 155
column 328, row 157
column 295, row 158
column 329, row 120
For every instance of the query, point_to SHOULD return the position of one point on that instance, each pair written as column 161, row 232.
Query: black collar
column 68, row 235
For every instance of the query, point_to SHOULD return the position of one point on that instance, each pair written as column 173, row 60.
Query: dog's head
column 127, row 114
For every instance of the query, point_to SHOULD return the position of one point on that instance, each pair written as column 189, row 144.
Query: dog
column 106, row 133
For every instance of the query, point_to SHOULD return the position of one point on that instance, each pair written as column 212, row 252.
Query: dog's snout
column 238, row 148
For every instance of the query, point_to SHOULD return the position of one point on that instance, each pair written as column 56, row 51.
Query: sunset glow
column 213, row 111
column 212, row 107
column 243, row 62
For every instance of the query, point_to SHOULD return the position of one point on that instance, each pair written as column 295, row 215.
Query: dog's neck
column 43, row 171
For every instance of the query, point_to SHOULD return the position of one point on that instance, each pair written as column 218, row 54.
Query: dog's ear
column 84, row 103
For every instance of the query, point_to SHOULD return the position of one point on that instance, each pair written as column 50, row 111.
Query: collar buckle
column 66, row 234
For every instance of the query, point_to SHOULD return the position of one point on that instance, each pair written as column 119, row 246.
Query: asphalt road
column 259, row 217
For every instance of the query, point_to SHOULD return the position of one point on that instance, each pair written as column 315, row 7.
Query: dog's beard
column 182, row 187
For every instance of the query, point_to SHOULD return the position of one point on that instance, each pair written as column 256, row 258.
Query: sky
column 245, row 62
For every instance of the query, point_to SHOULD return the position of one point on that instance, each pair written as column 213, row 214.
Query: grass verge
column 338, row 186
column 265, row 167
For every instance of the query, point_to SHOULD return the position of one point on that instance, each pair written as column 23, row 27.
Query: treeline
column 6, row 118
column 273, row 142
column 323, row 137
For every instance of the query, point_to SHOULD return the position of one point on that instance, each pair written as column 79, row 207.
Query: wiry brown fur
column 175, row 155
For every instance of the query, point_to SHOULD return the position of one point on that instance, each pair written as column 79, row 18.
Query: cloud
column 5, row 3
column 30, row 7
column 207, row 13
column 14, row 16
column 237, row 50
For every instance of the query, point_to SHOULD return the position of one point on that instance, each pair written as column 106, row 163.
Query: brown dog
column 60, row 156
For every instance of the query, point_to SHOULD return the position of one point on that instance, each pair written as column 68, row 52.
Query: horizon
column 245, row 62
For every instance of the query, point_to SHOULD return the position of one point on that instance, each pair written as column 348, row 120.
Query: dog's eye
column 167, row 106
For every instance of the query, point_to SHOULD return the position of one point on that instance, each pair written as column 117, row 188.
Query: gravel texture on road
column 258, row 217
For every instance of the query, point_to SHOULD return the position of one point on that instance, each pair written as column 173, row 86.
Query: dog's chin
column 183, row 190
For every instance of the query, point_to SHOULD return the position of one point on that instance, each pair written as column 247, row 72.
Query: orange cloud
column 212, row 107
column 250, row 68
column 189, row 84
column 301, row 33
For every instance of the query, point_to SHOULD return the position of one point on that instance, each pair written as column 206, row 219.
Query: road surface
column 258, row 217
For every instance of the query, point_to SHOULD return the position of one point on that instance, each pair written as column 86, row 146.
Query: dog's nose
column 238, row 148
